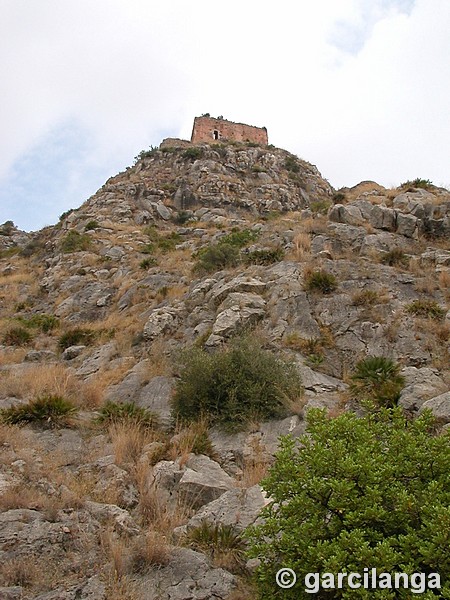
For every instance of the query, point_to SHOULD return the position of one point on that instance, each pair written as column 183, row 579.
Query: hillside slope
column 195, row 246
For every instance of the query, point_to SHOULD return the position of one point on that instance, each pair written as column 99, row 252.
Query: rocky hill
column 193, row 246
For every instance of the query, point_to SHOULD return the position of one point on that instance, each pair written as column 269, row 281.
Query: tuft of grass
column 366, row 298
column 147, row 263
column 52, row 410
column 428, row 309
column 395, row 258
column 17, row 336
column 112, row 412
column 224, row 544
column 320, row 281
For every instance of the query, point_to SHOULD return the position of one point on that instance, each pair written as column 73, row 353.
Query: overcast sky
column 360, row 88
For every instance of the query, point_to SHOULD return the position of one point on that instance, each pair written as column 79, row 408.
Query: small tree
column 355, row 493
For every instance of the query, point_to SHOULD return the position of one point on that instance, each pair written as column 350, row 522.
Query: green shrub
column 291, row 164
column 264, row 257
column 240, row 238
column 51, row 410
column 127, row 412
column 356, row 493
column 193, row 153
column 91, row 225
column 7, row 228
column 182, row 217
column 75, row 337
column 320, row 207
column 216, row 257
column 43, row 322
column 320, row 281
column 235, row 385
column 417, row 183
column 17, row 336
column 74, row 241
column 428, row 309
column 377, row 379
column 395, row 257
column 145, row 154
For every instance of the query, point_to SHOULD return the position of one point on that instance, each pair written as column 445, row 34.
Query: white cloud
column 359, row 87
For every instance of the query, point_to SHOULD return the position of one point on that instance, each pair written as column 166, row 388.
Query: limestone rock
column 439, row 406
column 188, row 576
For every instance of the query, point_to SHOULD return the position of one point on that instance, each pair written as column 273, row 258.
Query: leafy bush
column 235, row 385
column 75, row 242
column 216, row 257
column 193, row 153
column 225, row 253
column 291, row 164
column 91, row 225
column 240, row 238
column 428, row 309
column 52, row 410
column 377, row 379
column 17, row 336
column 264, row 257
column 112, row 412
column 7, row 228
column 355, row 493
column 43, row 322
column 395, row 257
column 145, row 154
column 182, row 217
column 320, row 207
column 417, row 183
column 320, row 281
column 75, row 337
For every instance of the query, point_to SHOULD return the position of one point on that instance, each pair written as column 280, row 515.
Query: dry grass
column 128, row 440
column 302, row 246
column 192, row 438
column 23, row 571
column 12, row 356
column 157, row 514
column 444, row 283
column 124, row 588
column 23, row 496
column 256, row 467
column 426, row 285
column 148, row 551
column 34, row 381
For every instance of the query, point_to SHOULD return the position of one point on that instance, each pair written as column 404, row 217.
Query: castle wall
column 207, row 129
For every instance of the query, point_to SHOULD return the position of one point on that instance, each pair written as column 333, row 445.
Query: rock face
column 101, row 308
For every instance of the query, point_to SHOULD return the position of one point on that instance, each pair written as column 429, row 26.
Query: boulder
column 421, row 384
column 203, row 480
column 439, row 406
column 238, row 507
column 188, row 576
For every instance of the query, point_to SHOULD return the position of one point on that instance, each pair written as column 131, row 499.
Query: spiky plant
column 377, row 379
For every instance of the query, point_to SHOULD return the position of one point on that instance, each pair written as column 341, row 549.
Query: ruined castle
column 210, row 130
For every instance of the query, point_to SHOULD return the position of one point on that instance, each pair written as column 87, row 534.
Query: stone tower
column 210, row 130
